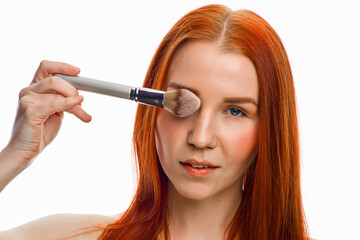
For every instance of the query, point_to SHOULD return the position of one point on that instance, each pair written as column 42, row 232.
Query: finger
column 40, row 107
column 80, row 113
column 57, row 103
column 47, row 68
column 52, row 84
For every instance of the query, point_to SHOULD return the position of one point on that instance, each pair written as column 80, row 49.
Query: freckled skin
column 212, row 133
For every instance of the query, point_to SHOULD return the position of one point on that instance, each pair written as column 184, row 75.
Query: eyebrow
column 238, row 100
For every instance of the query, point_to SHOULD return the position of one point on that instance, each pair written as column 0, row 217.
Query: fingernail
column 76, row 69
column 89, row 117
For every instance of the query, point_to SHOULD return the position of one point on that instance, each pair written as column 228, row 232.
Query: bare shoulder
column 60, row 226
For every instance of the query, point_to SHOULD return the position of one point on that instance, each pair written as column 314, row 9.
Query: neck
column 201, row 219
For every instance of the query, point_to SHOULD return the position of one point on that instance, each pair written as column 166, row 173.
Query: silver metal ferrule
column 148, row 96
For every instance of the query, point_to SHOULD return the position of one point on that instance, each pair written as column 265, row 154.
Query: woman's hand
column 40, row 111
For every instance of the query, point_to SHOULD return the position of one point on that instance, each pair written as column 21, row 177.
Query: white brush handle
column 97, row 86
column 143, row 95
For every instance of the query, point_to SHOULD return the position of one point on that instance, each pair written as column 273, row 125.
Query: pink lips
column 198, row 168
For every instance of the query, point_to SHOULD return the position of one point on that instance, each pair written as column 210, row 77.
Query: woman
column 229, row 171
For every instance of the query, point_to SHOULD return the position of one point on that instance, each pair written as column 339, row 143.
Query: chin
column 194, row 191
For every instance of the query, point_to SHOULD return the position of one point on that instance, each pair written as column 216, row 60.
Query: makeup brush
column 180, row 102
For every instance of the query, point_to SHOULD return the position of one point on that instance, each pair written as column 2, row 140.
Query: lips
column 198, row 168
column 198, row 163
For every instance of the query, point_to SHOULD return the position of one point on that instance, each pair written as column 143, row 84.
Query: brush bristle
column 181, row 102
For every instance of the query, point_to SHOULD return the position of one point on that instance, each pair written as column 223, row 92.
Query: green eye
column 235, row 112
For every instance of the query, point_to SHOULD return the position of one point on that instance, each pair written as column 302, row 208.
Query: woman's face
column 207, row 153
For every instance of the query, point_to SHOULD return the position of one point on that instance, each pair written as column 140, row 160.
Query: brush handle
column 97, row 86
column 143, row 95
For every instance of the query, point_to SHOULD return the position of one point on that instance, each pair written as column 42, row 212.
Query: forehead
column 204, row 65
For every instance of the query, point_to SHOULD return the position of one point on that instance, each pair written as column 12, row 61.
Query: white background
column 88, row 168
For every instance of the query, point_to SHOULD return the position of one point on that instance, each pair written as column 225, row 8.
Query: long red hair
column 271, row 207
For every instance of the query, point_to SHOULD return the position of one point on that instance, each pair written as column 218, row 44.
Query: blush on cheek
column 243, row 144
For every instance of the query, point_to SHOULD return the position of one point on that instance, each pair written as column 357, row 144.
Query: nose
column 202, row 133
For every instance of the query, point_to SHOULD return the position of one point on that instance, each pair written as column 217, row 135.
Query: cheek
column 166, row 135
column 241, row 144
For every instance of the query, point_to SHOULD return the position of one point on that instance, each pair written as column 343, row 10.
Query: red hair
column 271, row 207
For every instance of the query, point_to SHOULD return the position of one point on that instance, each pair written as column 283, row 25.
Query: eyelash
column 241, row 113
